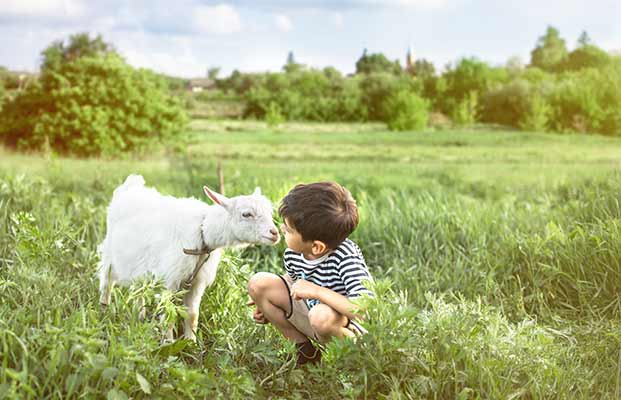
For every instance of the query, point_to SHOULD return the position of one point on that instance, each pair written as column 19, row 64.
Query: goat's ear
column 257, row 191
column 217, row 198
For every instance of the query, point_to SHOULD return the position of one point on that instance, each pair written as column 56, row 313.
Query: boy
column 324, row 269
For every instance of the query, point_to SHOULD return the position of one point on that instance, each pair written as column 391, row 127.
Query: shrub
column 406, row 111
column 273, row 116
column 458, row 83
column 506, row 105
column 588, row 101
column 92, row 106
column 467, row 110
column 537, row 114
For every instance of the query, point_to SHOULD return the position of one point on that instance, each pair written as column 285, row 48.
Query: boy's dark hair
column 323, row 211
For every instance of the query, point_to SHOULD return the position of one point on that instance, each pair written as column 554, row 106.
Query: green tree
column 537, row 116
column 467, row 110
column 78, row 45
column 92, row 106
column 213, row 72
column 376, row 63
column 406, row 110
column 585, row 55
column 291, row 65
column 2, row 94
column 423, row 69
column 470, row 75
column 550, row 51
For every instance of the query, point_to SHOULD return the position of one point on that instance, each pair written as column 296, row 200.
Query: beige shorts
column 298, row 314
column 298, row 311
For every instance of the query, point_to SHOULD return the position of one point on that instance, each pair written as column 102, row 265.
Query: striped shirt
column 342, row 270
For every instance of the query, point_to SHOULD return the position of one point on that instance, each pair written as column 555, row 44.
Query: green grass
column 497, row 257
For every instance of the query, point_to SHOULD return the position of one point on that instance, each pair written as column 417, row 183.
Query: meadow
column 496, row 254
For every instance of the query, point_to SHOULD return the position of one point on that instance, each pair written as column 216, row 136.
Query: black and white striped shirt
column 342, row 270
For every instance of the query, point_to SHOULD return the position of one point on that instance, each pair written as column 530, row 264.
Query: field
column 497, row 258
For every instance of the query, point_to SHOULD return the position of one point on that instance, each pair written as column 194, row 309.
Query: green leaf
column 115, row 394
column 144, row 384
column 110, row 373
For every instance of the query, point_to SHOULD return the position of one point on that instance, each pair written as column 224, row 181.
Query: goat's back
column 147, row 231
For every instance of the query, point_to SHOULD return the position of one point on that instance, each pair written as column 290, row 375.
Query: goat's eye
column 247, row 214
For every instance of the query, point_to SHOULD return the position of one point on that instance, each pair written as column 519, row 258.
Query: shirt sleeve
column 287, row 267
column 354, row 272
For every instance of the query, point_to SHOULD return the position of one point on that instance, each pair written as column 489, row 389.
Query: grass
column 497, row 257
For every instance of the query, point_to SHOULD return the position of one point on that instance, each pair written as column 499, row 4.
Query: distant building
column 199, row 84
column 409, row 61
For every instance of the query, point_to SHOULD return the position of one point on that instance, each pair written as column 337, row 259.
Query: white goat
column 170, row 237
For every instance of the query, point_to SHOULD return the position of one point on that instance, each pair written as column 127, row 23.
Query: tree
column 92, row 106
column 585, row 55
column 550, row 50
column 468, row 76
column 584, row 39
column 406, row 111
column 291, row 66
column 79, row 45
column 423, row 69
column 376, row 63
column 213, row 72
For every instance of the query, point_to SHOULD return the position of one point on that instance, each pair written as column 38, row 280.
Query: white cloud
column 423, row 3
column 220, row 19
column 283, row 23
column 43, row 8
column 405, row 3
column 338, row 21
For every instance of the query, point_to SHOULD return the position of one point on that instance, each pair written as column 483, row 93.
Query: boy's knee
column 258, row 284
column 322, row 319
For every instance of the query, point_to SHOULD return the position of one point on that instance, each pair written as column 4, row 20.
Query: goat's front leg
column 192, row 298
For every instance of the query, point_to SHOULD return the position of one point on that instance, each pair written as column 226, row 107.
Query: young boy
column 324, row 269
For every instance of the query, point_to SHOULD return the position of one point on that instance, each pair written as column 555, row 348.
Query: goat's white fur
column 147, row 232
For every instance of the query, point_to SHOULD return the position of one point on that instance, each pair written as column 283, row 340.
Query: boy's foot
column 307, row 353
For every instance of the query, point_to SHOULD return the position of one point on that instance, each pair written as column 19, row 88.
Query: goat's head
column 250, row 216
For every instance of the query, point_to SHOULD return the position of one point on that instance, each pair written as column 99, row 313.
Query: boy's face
column 294, row 239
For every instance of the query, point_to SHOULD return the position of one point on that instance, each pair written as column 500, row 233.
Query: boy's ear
column 319, row 247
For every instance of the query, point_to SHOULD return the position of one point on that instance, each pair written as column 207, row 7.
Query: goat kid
column 168, row 237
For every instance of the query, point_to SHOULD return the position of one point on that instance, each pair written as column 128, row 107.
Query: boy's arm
column 303, row 289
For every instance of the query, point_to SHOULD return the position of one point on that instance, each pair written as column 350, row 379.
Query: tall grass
column 506, row 287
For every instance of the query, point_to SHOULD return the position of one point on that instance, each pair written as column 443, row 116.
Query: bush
column 508, row 104
column 406, row 111
column 92, row 106
column 588, row 101
column 274, row 117
column 466, row 112
column 311, row 95
column 377, row 88
column 537, row 115
column 454, row 89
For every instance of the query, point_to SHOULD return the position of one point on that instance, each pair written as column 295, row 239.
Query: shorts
column 298, row 314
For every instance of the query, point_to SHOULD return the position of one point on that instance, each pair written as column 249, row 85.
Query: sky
column 186, row 37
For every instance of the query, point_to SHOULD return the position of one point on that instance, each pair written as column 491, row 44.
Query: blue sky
column 185, row 37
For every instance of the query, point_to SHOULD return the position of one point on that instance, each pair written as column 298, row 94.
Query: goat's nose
column 274, row 231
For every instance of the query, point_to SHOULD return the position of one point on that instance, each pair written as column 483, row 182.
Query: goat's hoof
column 191, row 337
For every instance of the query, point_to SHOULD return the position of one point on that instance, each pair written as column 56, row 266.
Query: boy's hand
column 257, row 315
column 303, row 289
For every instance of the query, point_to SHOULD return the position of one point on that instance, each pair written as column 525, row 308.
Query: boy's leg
column 328, row 323
column 271, row 297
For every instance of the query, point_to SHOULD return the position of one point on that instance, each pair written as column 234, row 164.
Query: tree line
column 88, row 101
